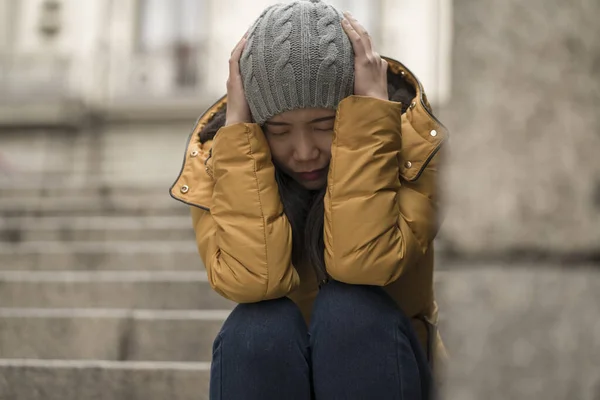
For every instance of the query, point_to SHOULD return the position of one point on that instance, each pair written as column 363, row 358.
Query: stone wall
column 524, row 169
column 521, row 331
column 523, row 177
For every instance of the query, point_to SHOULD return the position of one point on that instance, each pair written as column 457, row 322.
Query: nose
column 305, row 148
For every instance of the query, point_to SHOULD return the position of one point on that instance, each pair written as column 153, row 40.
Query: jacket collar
column 421, row 119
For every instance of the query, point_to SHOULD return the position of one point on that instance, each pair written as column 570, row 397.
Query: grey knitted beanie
column 297, row 56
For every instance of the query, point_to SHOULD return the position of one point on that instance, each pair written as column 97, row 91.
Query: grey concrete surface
column 118, row 335
column 55, row 256
column 176, row 290
column 34, row 186
column 34, row 233
column 100, row 380
column 119, row 203
column 524, row 331
column 92, row 280
column 19, row 229
column 523, row 170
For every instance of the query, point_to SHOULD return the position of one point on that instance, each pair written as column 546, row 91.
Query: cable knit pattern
column 251, row 87
column 297, row 56
column 328, row 53
column 284, row 74
column 262, row 59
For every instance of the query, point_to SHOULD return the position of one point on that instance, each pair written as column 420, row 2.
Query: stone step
column 118, row 335
column 67, row 235
column 162, row 255
column 102, row 380
column 32, row 187
column 96, row 222
column 106, row 289
column 117, row 204
column 67, row 228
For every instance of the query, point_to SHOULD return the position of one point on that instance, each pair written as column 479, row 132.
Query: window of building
column 175, row 29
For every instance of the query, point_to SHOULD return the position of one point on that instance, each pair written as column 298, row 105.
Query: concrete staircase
column 102, row 294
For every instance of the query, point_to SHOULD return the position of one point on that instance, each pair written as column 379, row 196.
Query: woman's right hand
column 238, row 110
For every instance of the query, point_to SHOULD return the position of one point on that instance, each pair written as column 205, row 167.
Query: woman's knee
column 261, row 330
column 359, row 305
column 359, row 331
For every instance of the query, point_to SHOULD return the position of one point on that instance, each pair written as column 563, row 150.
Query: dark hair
column 304, row 208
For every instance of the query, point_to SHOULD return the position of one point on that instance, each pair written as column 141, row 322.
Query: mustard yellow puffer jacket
column 380, row 208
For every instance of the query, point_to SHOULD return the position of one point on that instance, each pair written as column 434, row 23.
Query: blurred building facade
column 129, row 77
column 108, row 90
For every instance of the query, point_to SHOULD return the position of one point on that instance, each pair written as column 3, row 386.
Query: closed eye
column 277, row 133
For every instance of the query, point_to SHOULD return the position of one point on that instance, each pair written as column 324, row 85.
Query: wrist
column 376, row 95
column 236, row 120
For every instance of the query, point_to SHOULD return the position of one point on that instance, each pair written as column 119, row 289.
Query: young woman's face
column 300, row 142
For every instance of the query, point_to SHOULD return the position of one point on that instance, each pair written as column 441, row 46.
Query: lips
column 312, row 175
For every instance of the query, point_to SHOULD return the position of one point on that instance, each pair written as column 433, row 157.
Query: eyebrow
column 311, row 122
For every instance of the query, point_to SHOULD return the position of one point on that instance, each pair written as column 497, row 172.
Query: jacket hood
column 418, row 113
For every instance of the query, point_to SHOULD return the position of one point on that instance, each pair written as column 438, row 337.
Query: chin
column 314, row 185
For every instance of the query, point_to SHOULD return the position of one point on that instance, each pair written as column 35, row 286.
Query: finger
column 239, row 43
column 384, row 68
column 384, row 64
column 355, row 39
column 364, row 34
column 234, row 61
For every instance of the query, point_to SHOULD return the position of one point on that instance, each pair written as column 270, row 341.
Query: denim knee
column 262, row 352
column 341, row 305
column 365, row 346
column 259, row 331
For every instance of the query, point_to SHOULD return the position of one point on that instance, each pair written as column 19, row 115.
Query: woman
column 313, row 194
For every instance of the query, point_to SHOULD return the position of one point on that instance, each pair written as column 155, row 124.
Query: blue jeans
column 359, row 346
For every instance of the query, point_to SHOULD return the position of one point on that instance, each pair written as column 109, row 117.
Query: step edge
column 70, row 276
column 106, row 364
column 115, row 313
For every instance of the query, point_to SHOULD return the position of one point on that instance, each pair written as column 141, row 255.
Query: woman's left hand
column 370, row 70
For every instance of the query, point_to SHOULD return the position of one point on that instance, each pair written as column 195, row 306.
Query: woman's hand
column 238, row 110
column 370, row 70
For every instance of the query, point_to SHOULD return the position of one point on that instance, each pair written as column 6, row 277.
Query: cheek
column 281, row 151
column 324, row 142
